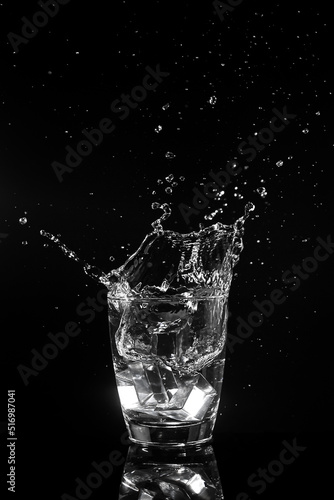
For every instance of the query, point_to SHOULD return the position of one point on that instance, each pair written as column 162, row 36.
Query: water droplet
column 23, row 220
column 168, row 190
column 169, row 155
column 305, row 131
column 165, row 106
column 212, row 100
column 262, row 191
column 279, row 163
column 158, row 129
column 169, row 178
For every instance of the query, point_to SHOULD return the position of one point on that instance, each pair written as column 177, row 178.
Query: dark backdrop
column 226, row 74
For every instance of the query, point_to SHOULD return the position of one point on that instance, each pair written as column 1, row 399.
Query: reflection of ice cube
column 146, row 494
column 172, row 491
column 193, row 482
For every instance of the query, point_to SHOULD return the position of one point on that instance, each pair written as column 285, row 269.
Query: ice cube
column 142, row 385
column 180, row 397
column 128, row 396
column 191, row 402
column 200, row 398
column 169, row 380
column 156, row 385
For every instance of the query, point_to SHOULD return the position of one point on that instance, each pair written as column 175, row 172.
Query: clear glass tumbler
column 168, row 356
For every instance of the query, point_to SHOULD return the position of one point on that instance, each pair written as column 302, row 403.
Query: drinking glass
column 168, row 355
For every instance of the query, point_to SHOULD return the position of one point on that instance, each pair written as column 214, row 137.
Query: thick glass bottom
column 171, row 435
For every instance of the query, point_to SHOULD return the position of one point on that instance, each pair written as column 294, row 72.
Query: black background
column 263, row 55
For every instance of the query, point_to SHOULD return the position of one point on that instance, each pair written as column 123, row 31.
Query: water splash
column 157, row 224
column 196, row 264
column 92, row 271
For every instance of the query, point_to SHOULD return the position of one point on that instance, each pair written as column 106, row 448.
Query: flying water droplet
column 158, row 129
column 169, row 178
column 305, row 131
column 165, row 106
column 262, row 192
column 279, row 163
column 169, row 155
column 23, row 220
column 212, row 100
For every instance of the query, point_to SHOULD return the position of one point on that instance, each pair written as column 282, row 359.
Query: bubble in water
column 111, row 258
column 165, row 106
column 169, row 178
column 174, row 184
column 169, row 155
column 158, row 129
column 168, row 190
column 262, row 191
column 212, row 100
column 182, row 178
column 23, row 220
column 159, row 181
column 305, row 131
column 155, row 205
column 279, row 163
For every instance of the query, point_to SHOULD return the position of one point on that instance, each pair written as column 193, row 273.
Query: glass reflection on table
column 174, row 474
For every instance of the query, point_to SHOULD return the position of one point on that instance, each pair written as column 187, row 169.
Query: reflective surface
column 152, row 474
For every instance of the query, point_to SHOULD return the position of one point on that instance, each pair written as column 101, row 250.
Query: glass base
column 179, row 435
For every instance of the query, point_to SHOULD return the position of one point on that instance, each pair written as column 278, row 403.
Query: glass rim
column 169, row 298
